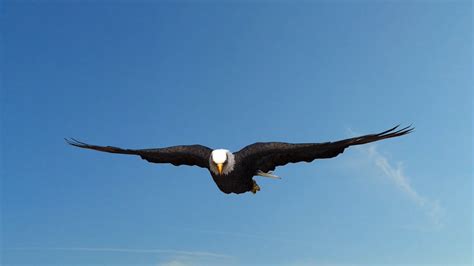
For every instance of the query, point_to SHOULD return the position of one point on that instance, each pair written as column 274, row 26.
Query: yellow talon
column 255, row 187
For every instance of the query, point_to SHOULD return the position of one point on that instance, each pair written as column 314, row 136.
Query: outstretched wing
column 267, row 156
column 177, row 155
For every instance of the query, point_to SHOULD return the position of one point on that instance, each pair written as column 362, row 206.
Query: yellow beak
column 219, row 168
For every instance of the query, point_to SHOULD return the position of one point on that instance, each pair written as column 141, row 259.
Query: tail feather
column 268, row 174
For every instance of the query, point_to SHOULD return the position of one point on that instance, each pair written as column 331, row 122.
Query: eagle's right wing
column 177, row 155
column 268, row 155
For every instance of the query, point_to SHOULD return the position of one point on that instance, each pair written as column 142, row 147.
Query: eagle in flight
column 233, row 172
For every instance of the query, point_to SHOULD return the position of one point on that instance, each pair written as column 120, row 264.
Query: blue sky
column 226, row 75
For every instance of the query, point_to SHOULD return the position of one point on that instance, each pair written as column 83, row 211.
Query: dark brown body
column 238, row 181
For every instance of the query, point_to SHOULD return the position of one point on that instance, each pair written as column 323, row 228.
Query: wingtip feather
column 75, row 142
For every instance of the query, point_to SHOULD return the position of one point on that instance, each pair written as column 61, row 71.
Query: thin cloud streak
column 127, row 250
column 194, row 261
column 242, row 235
column 395, row 173
column 175, row 262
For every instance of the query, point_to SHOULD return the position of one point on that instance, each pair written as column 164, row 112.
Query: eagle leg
column 255, row 187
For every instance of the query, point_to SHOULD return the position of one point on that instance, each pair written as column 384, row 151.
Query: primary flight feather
column 234, row 172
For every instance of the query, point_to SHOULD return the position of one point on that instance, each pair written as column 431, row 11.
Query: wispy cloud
column 175, row 262
column 178, row 262
column 196, row 261
column 395, row 172
column 279, row 238
column 128, row 250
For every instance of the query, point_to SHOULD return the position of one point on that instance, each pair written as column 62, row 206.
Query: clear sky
column 226, row 75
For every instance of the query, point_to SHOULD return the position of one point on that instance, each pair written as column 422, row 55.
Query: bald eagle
column 234, row 172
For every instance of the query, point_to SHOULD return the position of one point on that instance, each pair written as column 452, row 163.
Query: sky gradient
column 159, row 74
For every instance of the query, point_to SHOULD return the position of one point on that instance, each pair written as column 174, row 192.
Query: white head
column 221, row 162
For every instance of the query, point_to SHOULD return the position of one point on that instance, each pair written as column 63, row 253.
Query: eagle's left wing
column 177, row 155
column 268, row 155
